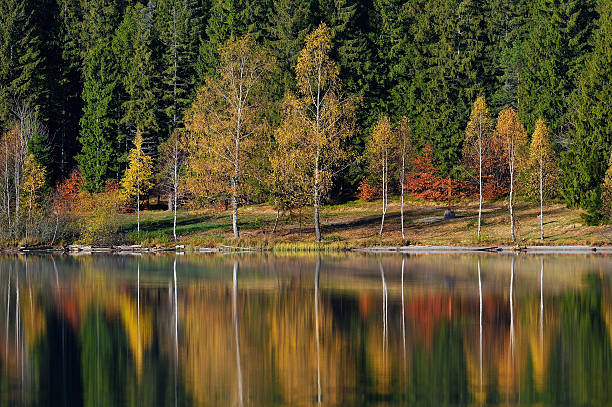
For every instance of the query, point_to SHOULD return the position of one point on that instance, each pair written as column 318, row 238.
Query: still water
column 339, row 330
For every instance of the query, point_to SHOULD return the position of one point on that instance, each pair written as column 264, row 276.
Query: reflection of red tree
column 68, row 307
column 365, row 304
column 427, row 311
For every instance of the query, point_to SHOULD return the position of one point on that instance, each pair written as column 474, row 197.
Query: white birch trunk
column 402, row 191
column 479, row 176
column 541, row 199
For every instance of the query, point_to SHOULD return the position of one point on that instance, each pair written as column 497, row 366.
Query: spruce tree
column 558, row 38
column 178, row 23
column 20, row 59
column 132, row 45
column 590, row 143
column 289, row 23
column 230, row 18
column 97, row 157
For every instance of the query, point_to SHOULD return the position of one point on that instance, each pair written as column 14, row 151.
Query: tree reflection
column 91, row 331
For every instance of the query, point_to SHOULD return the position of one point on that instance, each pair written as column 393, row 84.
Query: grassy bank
column 356, row 224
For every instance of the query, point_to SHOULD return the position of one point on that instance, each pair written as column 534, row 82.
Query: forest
column 105, row 104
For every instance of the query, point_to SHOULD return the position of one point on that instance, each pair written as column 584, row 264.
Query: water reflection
column 454, row 330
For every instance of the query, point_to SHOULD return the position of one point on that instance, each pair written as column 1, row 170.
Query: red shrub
column 366, row 191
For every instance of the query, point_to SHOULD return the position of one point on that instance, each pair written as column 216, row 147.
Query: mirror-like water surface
column 344, row 330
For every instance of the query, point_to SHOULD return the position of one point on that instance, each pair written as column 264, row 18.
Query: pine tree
column 98, row 149
column 20, row 60
column 507, row 29
column 63, row 82
column 590, row 143
column 99, row 19
column 289, row 23
column 558, row 39
column 230, row 19
column 132, row 45
column 178, row 25
column 138, row 178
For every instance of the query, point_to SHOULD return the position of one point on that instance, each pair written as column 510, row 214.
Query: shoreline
column 413, row 249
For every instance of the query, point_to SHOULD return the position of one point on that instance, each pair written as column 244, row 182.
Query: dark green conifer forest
column 94, row 73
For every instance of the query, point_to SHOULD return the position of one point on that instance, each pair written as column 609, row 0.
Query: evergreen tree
column 178, row 24
column 98, row 148
column 289, row 23
column 132, row 45
column 98, row 21
column 20, row 59
column 230, row 18
column 558, row 38
column 442, row 72
column 506, row 26
column 590, row 143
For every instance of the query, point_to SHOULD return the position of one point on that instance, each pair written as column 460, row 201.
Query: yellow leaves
column 138, row 178
column 316, row 72
column 225, row 122
column 32, row 183
column 511, row 132
column 542, row 157
column 478, row 132
column 382, row 139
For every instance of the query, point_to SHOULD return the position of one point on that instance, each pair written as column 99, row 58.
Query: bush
column 367, row 192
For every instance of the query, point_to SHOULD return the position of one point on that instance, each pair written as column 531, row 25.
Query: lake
column 302, row 330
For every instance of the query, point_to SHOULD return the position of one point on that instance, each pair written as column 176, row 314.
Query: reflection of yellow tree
column 33, row 317
column 207, row 352
column 293, row 346
column 138, row 328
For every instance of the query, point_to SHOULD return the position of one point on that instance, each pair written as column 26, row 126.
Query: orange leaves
column 367, row 192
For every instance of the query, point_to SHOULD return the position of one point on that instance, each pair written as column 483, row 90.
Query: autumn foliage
column 425, row 181
column 366, row 191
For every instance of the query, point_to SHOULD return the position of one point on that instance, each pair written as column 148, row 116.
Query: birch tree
column 225, row 121
column 139, row 174
column 380, row 147
column 328, row 118
column 406, row 153
column 171, row 171
column 542, row 167
column 476, row 145
column 513, row 139
column 32, row 185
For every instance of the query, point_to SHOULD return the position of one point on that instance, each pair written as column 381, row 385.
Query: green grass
column 356, row 224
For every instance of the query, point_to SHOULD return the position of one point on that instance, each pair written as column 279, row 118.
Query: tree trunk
column 316, row 202
column 510, row 205
column 175, row 209
column 235, row 210
column 276, row 220
column 138, row 209
column 541, row 200
column 402, row 194
column 384, row 193
column 479, row 184
column 235, row 193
